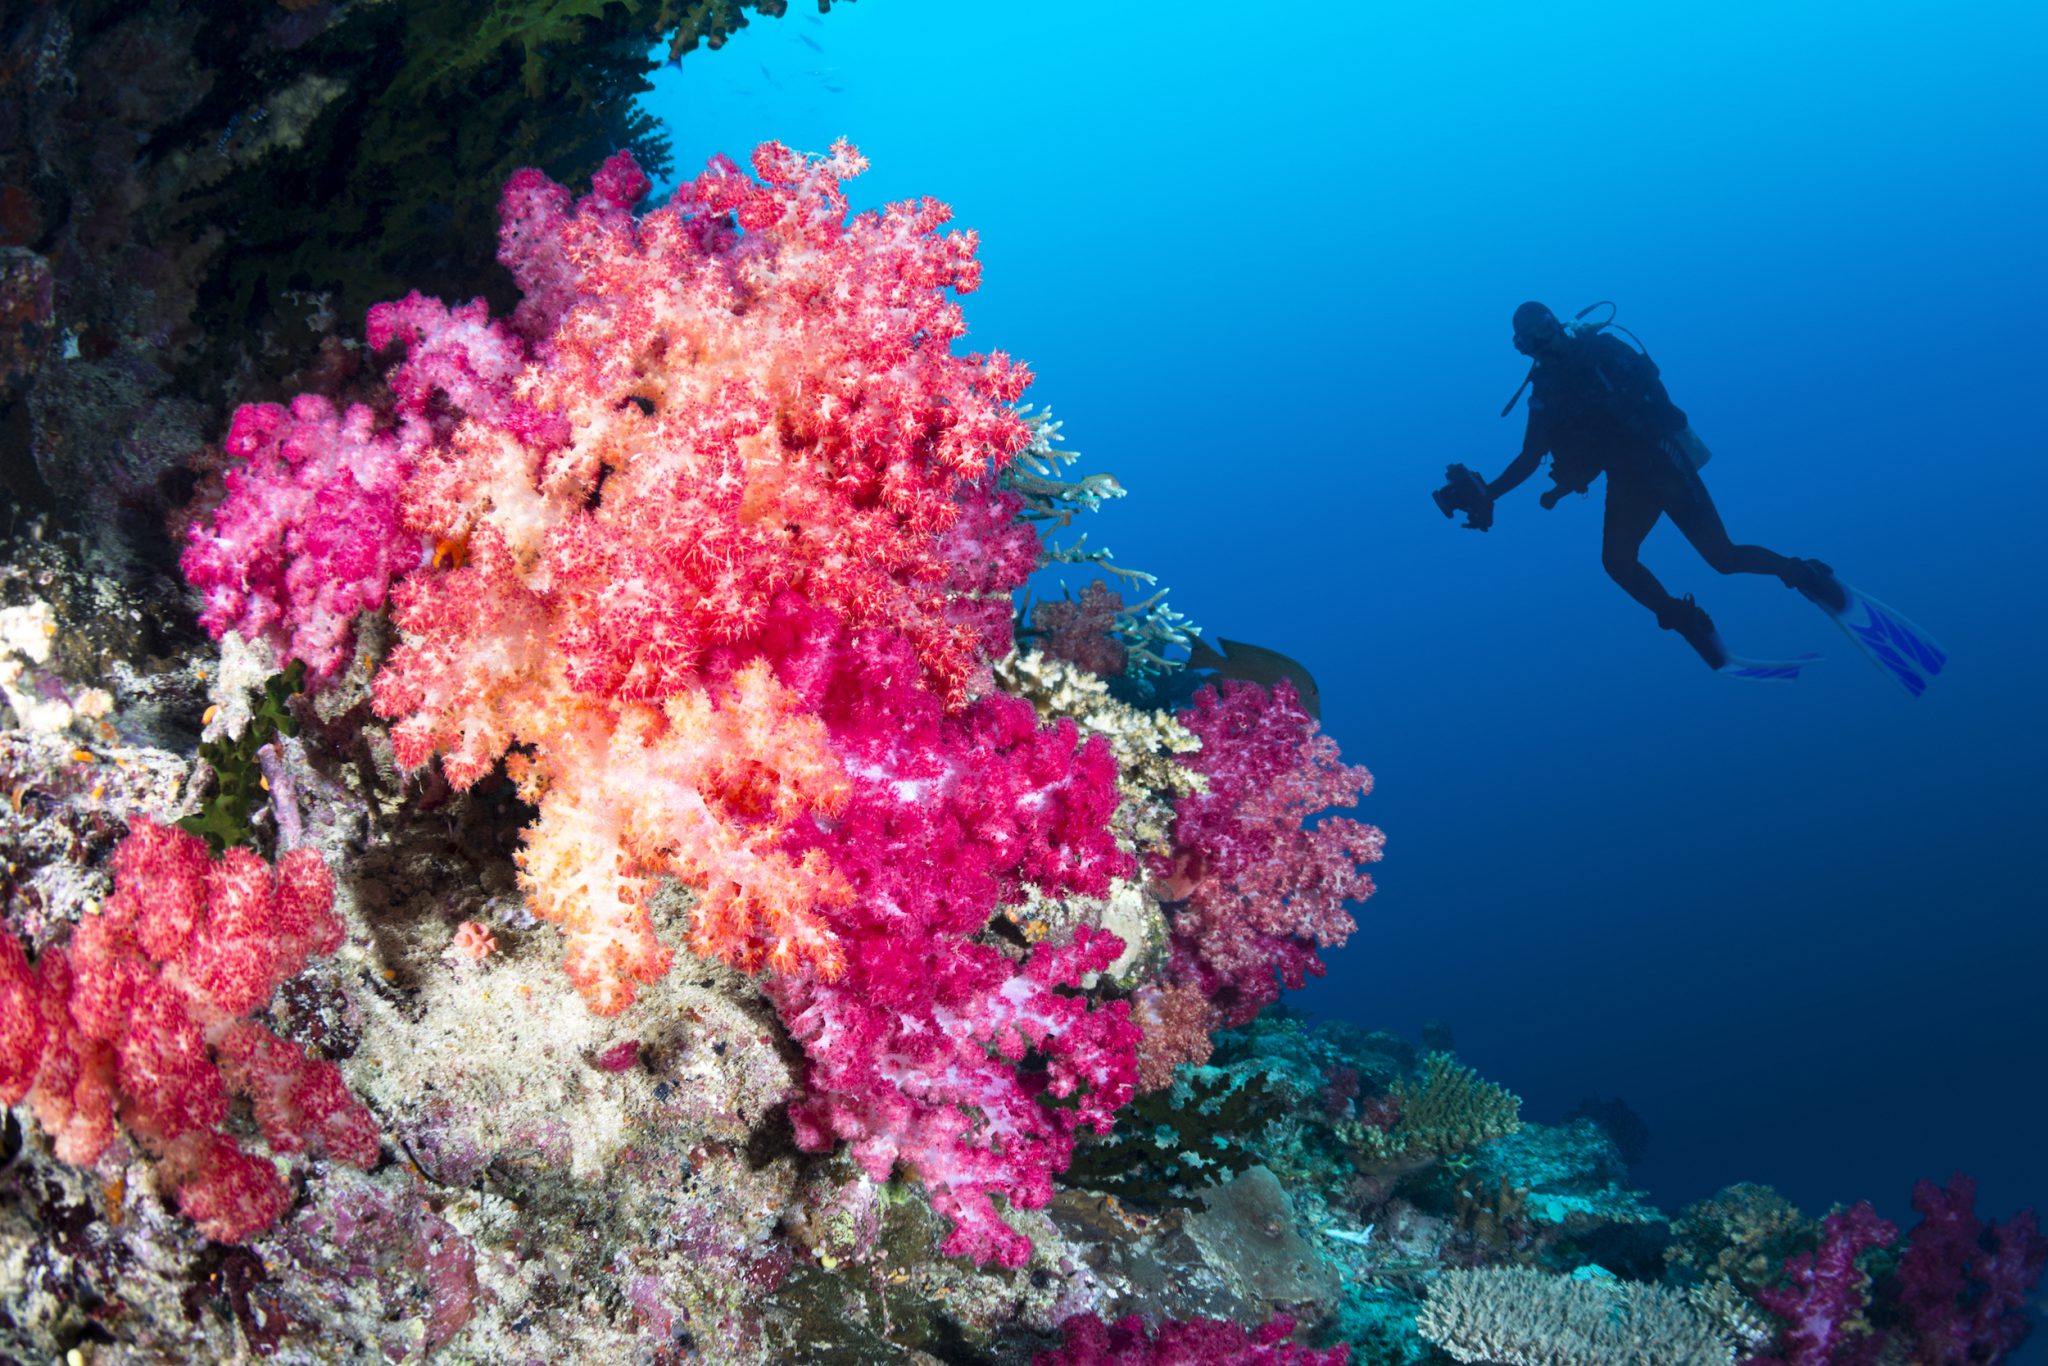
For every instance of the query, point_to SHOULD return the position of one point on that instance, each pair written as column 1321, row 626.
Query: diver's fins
column 1691, row 622
column 1765, row 670
column 1892, row 641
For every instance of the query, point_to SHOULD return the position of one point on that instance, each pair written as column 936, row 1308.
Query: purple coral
column 1825, row 1299
column 1190, row 1342
column 1966, row 1299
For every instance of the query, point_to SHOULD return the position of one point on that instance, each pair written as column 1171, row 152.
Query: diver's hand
column 1549, row 499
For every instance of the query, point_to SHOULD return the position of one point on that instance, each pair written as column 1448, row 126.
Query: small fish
column 810, row 42
column 1257, row 664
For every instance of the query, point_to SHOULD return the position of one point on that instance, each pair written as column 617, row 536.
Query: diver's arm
column 1535, row 443
column 1511, row 478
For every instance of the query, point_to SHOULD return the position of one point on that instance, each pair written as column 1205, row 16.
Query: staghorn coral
column 1513, row 1316
column 1101, row 633
column 1450, row 1109
column 143, row 1015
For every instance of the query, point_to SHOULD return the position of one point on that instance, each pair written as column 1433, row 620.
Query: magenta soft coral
column 141, row 1017
column 1262, row 883
column 916, row 1053
column 1191, row 1342
column 309, row 534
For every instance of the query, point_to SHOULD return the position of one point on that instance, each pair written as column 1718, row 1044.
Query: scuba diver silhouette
column 1598, row 405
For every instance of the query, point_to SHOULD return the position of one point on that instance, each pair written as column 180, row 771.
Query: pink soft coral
column 916, row 1053
column 142, row 1015
column 1083, row 631
column 1261, row 889
column 309, row 534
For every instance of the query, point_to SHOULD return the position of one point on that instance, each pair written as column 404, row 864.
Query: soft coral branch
column 1261, row 881
column 141, row 1017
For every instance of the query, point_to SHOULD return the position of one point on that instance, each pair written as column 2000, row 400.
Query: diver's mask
column 1537, row 332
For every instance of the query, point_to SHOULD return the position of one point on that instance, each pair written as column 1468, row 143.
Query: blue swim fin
column 1892, row 641
column 1765, row 670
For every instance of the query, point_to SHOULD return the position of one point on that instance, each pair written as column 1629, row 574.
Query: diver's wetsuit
column 1598, row 406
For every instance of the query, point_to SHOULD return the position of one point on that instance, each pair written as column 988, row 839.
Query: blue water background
column 1263, row 269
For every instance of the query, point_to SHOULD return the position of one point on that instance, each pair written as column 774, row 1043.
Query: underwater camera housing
column 1464, row 491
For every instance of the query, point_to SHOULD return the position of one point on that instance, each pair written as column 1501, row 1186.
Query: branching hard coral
column 1101, row 633
column 1514, row 1316
column 1171, row 1143
column 1261, row 888
column 1450, row 1110
column 1189, row 1342
column 1742, row 1233
column 143, row 1016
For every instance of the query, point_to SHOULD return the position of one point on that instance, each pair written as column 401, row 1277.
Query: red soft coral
column 141, row 1016
column 1260, row 888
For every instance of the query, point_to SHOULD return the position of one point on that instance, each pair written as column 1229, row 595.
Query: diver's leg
column 1691, row 509
column 1631, row 512
column 1633, row 506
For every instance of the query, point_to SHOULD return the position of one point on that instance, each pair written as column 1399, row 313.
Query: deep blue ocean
column 1264, row 270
